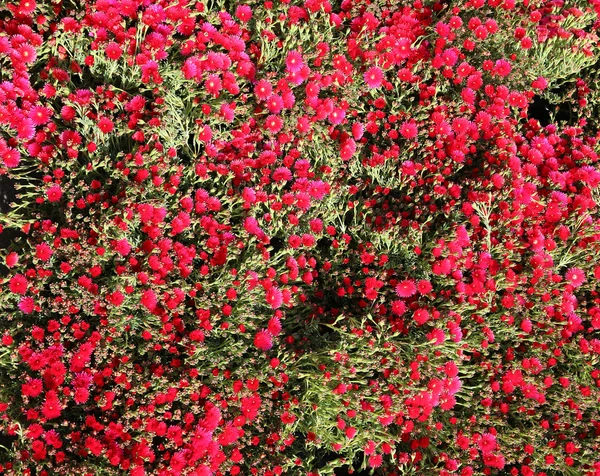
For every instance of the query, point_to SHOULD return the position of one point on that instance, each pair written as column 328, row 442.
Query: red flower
column 113, row 51
column 11, row 259
column 229, row 435
column 26, row 7
column 148, row 299
column 10, row 157
column 32, row 388
column 54, row 193
column 105, row 125
column 263, row 340
column 18, row 284
column 93, row 445
column 421, row 316
column 43, row 251
column 52, row 407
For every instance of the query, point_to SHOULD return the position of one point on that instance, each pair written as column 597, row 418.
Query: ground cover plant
column 299, row 237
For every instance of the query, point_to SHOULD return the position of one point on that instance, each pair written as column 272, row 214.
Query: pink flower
column 282, row 174
column 243, row 13
column 347, row 149
column 274, row 326
column 122, row 247
column 210, row 422
column 274, row 123
column 337, row 116
column 26, row 129
column 526, row 326
column 205, row 134
column 487, row 443
column 227, row 112
column 375, row 461
column 274, row 103
column 294, row 61
column 213, row 85
column 252, row 227
column 357, row 130
column 263, row 340
column 274, row 297
column 40, row 115
column 373, row 77
column 575, row 276
column 540, row 83
column 406, row 288
column 263, row 89
column 26, row 305
column 409, row 130
column 54, row 193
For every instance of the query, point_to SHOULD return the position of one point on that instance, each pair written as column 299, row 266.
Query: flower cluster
column 285, row 237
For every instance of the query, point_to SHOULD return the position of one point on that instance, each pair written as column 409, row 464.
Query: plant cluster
column 289, row 236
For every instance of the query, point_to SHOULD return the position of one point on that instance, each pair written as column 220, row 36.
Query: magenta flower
column 213, row 85
column 274, row 123
column 409, row 130
column 294, row 61
column 406, row 288
column 274, row 297
column 373, row 77
column 263, row 340
column 10, row 157
column 575, row 276
column 148, row 299
column 263, row 89
column 26, row 305
column 243, row 13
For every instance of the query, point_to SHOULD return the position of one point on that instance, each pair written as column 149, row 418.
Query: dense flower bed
column 286, row 237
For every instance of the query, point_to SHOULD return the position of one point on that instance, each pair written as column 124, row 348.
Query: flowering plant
column 298, row 236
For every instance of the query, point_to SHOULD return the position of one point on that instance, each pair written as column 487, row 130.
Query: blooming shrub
column 286, row 237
